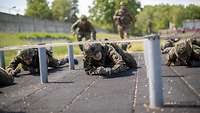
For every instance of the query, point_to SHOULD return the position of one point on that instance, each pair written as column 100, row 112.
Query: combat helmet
column 122, row 3
column 83, row 17
column 26, row 53
column 92, row 49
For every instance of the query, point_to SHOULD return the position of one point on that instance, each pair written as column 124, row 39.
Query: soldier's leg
column 53, row 62
column 171, row 57
column 87, row 36
column 79, row 38
column 93, row 36
column 126, row 33
column 120, row 30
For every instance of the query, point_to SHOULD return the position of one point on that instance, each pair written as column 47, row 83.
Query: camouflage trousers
column 82, row 36
column 124, row 34
column 123, row 31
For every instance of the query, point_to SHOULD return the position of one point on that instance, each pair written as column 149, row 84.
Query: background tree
column 38, row 9
column 61, row 9
column 103, row 10
column 192, row 12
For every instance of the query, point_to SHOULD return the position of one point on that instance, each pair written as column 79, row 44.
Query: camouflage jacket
column 80, row 27
column 19, row 60
column 123, row 17
column 33, row 67
column 111, row 58
column 184, row 52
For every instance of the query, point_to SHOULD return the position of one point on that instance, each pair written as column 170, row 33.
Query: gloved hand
column 33, row 70
column 13, row 72
column 104, row 71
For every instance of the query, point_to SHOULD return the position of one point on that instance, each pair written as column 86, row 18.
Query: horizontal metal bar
column 64, row 44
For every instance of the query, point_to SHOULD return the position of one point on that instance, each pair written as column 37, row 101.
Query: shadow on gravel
column 182, row 106
column 129, row 72
column 7, row 86
column 10, row 112
column 50, row 70
column 70, row 82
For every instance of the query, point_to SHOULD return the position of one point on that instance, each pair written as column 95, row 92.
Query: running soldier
column 106, row 59
column 83, row 29
column 123, row 20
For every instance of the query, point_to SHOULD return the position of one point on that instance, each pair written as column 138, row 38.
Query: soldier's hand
column 12, row 72
column 104, row 71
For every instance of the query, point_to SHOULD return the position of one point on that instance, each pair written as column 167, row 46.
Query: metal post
column 2, row 59
column 146, row 52
column 71, row 57
column 154, row 72
column 43, row 65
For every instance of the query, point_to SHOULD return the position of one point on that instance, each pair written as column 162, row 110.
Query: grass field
column 17, row 39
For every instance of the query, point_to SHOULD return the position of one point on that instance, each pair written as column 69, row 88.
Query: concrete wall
column 191, row 24
column 13, row 23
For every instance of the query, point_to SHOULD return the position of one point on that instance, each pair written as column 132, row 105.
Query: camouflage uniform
column 5, row 78
column 83, row 30
column 33, row 67
column 113, row 60
column 123, row 19
column 185, row 52
column 167, row 46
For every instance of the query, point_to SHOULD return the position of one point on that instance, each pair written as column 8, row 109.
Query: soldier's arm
column 12, row 67
column 116, row 15
column 88, row 67
column 119, row 64
column 132, row 18
column 171, row 56
column 74, row 26
column 14, row 63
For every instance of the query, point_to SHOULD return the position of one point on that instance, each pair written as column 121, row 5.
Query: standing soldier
column 123, row 19
column 106, row 59
column 83, row 29
column 29, row 60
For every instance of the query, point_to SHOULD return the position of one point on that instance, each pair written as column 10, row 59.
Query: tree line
column 161, row 16
column 102, row 11
column 59, row 10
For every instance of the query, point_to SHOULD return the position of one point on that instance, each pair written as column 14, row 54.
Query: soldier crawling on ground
column 83, row 29
column 185, row 53
column 123, row 20
column 166, row 47
column 29, row 60
column 106, row 59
